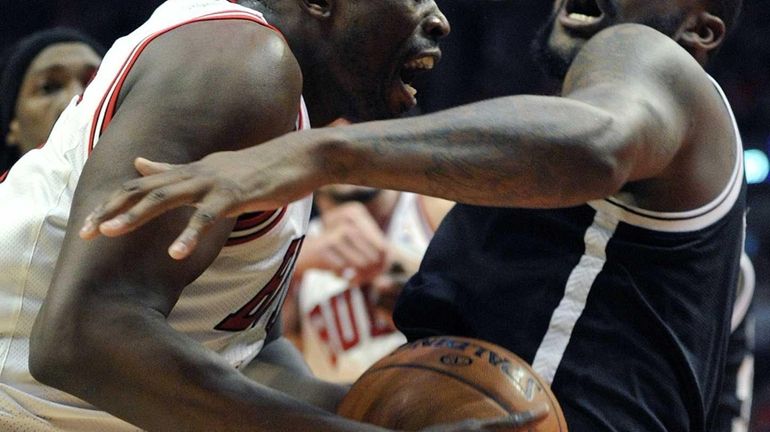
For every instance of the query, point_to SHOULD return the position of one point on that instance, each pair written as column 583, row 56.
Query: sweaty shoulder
column 683, row 143
column 633, row 50
column 234, row 75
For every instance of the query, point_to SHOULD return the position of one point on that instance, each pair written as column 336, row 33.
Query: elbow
column 56, row 353
column 609, row 174
column 607, row 163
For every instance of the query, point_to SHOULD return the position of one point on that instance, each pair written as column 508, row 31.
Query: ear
column 318, row 8
column 703, row 33
column 12, row 137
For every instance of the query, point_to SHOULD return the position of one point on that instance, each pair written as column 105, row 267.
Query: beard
column 553, row 63
column 556, row 61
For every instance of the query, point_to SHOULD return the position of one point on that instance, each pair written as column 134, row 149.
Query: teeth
column 426, row 62
column 412, row 91
column 580, row 17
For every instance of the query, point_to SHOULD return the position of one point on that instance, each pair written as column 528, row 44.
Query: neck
column 267, row 9
column 323, row 103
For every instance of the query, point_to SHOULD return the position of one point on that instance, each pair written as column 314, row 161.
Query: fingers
column 153, row 204
column 369, row 253
column 212, row 209
column 118, row 202
column 348, row 244
column 129, row 194
column 147, row 167
column 357, row 215
column 351, row 257
column 516, row 420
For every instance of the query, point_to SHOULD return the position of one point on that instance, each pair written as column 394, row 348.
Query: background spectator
column 41, row 74
column 358, row 253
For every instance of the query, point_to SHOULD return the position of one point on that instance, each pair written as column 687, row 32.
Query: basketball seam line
column 447, row 373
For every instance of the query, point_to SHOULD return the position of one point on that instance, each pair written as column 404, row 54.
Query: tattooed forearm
column 515, row 151
column 619, row 119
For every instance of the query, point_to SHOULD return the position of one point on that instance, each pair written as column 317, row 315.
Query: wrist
column 332, row 155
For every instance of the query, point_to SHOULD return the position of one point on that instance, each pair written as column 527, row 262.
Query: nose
column 436, row 25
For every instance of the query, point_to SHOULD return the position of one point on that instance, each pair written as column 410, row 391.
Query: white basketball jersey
column 229, row 308
column 341, row 334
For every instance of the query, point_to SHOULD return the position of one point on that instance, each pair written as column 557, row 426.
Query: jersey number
column 251, row 312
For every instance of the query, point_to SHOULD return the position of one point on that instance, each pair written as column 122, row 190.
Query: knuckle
column 129, row 217
column 98, row 212
column 228, row 193
column 188, row 172
column 205, row 217
column 158, row 195
column 130, row 186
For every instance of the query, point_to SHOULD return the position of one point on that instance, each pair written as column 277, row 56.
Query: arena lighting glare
column 757, row 166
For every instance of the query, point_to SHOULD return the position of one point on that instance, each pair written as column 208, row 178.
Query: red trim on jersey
column 234, row 241
column 110, row 98
column 3, row 176
column 250, row 220
column 132, row 58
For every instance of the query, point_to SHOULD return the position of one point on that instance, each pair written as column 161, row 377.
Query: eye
column 49, row 87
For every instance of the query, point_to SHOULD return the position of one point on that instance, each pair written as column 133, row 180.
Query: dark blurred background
column 488, row 55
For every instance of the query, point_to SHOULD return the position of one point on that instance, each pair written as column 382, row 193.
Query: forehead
column 67, row 54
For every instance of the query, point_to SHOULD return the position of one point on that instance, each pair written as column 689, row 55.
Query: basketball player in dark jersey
column 602, row 229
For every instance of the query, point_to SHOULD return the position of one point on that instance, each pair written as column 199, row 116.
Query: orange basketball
column 446, row 379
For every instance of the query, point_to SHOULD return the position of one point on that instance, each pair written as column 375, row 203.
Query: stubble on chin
column 552, row 61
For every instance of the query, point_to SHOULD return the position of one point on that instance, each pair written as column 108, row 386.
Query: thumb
column 518, row 419
column 147, row 167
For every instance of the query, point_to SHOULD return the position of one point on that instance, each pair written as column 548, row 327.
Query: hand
column 517, row 422
column 223, row 184
column 351, row 241
column 383, row 291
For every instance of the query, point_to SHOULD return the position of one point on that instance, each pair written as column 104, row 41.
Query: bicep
column 133, row 270
column 175, row 111
column 641, row 81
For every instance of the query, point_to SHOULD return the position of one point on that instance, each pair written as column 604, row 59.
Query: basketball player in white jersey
column 603, row 229
column 358, row 253
column 125, row 337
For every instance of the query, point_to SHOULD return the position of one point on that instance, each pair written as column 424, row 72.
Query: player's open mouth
column 416, row 64
column 584, row 16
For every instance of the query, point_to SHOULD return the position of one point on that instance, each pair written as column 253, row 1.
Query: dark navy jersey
column 626, row 312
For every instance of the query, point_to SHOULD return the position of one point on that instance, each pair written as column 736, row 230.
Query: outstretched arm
column 102, row 333
column 624, row 118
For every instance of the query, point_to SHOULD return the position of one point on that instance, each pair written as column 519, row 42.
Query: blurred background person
column 360, row 250
column 41, row 74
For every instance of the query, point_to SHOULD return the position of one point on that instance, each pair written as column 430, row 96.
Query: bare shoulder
column 640, row 58
column 225, row 74
column 245, row 55
column 678, row 142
